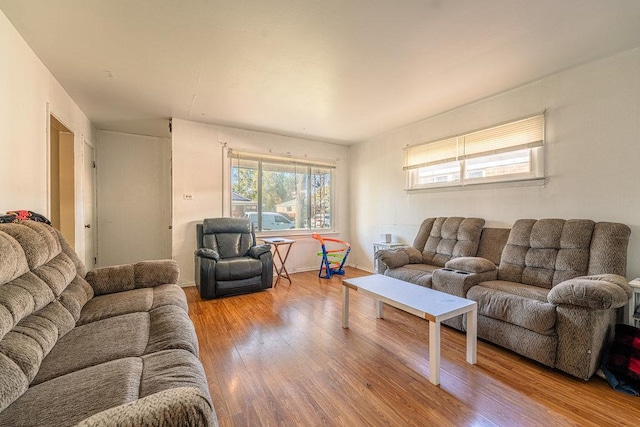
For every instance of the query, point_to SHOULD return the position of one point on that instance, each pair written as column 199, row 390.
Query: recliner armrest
column 599, row 292
column 394, row 258
column 258, row 250
column 207, row 253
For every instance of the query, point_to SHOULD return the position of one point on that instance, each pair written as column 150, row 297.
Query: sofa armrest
column 471, row 264
column 599, row 292
column 258, row 250
column 394, row 258
column 182, row 406
column 207, row 253
column 145, row 274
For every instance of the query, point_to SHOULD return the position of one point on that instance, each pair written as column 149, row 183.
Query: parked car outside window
column 270, row 221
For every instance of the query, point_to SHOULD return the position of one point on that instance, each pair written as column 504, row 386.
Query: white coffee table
column 435, row 306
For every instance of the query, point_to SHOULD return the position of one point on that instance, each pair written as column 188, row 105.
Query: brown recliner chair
column 228, row 261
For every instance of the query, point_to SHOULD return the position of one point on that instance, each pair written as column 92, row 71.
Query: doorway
column 62, row 180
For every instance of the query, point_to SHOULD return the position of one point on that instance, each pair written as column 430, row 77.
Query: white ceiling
column 334, row 70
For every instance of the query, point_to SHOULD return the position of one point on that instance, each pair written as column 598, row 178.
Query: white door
column 89, row 171
column 134, row 198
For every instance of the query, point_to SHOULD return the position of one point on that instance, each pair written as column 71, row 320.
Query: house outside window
column 281, row 194
column 511, row 151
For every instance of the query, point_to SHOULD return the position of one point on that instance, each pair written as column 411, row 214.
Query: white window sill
column 294, row 233
column 481, row 185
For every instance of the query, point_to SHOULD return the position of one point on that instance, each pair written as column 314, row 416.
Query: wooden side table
column 634, row 303
column 286, row 244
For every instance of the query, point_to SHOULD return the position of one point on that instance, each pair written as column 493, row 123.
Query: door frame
column 49, row 214
column 93, row 221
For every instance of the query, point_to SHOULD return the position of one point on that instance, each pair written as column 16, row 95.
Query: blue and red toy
column 333, row 258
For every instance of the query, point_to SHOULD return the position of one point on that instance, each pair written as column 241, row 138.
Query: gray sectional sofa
column 114, row 346
column 548, row 289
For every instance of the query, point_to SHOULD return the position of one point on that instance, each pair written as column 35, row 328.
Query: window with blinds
column 281, row 193
column 508, row 152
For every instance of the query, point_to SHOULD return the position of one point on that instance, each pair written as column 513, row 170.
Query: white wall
column 593, row 149
column 26, row 86
column 134, row 197
column 198, row 170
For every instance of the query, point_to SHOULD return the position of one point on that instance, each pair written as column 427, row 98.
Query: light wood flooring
column 281, row 357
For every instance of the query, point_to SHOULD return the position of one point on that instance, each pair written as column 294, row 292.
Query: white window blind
column 526, row 133
column 517, row 135
column 433, row 153
column 512, row 151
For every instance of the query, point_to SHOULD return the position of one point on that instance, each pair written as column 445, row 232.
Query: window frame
column 309, row 168
column 421, row 159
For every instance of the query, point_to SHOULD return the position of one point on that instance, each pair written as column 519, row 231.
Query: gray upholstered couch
column 113, row 346
column 548, row 289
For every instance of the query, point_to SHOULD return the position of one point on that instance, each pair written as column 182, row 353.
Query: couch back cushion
column 546, row 252
column 609, row 245
column 492, row 242
column 42, row 291
column 441, row 239
column 229, row 237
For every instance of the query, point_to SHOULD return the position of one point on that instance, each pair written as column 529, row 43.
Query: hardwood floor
column 281, row 357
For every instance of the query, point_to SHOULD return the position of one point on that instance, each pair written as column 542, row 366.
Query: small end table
column 277, row 242
column 634, row 303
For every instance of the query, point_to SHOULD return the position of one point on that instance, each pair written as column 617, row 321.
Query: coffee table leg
column 434, row 352
column 345, row 307
column 379, row 309
column 472, row 336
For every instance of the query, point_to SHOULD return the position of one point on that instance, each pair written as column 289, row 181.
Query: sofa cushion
column 171, row 328
column 14, row 263
column 546, row 252
column 136, row 300
column 128, row 335
column 238, row 268
column 76, row 296
column 117, row 304
column 170, row 369
column 14, row 381
column 38, row 243
column 522, row 305
column 446, row 238
column 68, row 399
column 420, row 274
column 169, row 294
column 95, row 343
column 609, row 249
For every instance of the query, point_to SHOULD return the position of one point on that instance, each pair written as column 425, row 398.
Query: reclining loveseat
column 113, row 346
column 548, row 289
